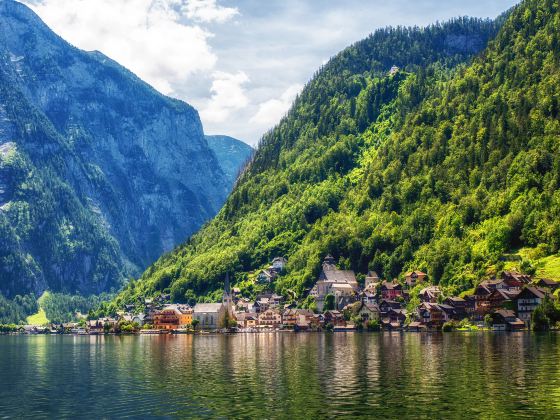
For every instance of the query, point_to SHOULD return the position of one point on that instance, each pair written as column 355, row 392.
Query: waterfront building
column 527, row 301
column 173, row 317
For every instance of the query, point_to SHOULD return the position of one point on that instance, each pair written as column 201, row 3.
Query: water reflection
column 281, row 375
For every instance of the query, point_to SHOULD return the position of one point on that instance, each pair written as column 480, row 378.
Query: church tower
column 227, row 299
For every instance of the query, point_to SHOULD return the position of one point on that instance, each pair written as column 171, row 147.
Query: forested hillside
column 444, row 166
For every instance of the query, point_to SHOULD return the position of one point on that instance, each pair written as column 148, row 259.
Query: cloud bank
column 239, row 62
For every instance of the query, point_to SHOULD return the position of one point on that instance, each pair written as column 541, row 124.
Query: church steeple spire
column 227, row 289
column 227, row 300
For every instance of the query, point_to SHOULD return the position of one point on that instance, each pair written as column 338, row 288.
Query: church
column 213, row 316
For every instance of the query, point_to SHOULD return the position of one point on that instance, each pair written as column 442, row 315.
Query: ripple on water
column 281, row 375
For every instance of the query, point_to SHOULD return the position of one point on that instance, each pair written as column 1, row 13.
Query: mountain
column 99, row 173
column 386, row 160
column 232, row 154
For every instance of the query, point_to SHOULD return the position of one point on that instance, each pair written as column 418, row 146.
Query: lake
column 281, row 375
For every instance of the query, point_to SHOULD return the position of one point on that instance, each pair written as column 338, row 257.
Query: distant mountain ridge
column 232, row 154
column 99, row 173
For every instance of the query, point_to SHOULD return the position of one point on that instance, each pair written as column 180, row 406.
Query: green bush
column 448, row 326
column 373, row 325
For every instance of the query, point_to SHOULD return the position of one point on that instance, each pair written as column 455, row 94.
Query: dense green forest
column 17, row 310
column 444, row 166
column 60, row 307
column 49, row 308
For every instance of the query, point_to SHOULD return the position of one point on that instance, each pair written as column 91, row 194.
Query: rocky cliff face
column 99, row 173
column 231, row 153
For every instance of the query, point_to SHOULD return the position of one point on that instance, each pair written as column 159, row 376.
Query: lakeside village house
column 342, row 303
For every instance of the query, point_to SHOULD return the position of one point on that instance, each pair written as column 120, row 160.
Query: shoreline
column 205, row 333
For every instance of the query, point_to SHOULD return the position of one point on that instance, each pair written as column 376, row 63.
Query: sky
column 239, row 63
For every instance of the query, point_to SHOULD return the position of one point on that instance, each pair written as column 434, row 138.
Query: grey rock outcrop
column 99, row 173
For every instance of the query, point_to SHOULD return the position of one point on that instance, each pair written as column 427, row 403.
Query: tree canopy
column 443, row 166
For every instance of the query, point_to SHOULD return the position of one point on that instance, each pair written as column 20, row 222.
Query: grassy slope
column 545, row 266
column 40, row 318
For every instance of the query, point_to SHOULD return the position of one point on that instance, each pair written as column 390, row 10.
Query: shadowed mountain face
column 232, row 154
column 99, row 173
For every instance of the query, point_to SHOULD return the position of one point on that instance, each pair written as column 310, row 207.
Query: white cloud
column 208, row 11
column 228, row 95
column 205, row 53
column 146, row 36
column 271, row 111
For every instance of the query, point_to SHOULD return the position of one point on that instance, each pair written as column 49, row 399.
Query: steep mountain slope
column 232, row 154
column 315, row 185
column 99, row 173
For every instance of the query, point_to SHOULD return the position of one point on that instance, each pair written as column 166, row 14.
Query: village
column 341, row 304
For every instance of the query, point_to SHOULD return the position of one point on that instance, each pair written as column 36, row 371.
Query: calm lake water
column 282, row 375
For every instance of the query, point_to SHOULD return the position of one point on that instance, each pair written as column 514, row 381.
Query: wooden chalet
column 527, row 301
column 505, row 320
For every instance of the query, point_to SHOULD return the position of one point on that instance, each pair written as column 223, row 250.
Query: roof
column 305, row 312
column 333, row 312
column 207, row 307
column 434, row 306
column 390, row 285
column 132, row 317
column 332, row 274
column 280, row 259
column 392, row 303
column 275, row 311
column 418, row 273
column 372, row 307
column 549, row 282
column 398, row 311
column 342, row 286
column 490, row 283
column 535, row 291
column 524, row 278
column 483, row 287
column 178, row 308
column 430, row 289
column 505, row 294
column 446, row 308
column 268, row 273
column 335, row 275
column 245, row 316
column 506, row 313
column 456, row 299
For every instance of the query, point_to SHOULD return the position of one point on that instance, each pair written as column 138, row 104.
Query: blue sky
column 240, row 63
